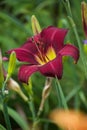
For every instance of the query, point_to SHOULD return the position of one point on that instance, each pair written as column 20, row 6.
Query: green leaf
column 20, row 121
column 2, row 127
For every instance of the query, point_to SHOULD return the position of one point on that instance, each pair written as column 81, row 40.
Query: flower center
column 42, row 57
column 45, row 58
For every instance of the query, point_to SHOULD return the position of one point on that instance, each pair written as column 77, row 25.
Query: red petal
column 24, row 55
column 30, row 46
column 53, row 68
column 26, row 52
column 70, row 50
column 53, row 36
column 26, row 71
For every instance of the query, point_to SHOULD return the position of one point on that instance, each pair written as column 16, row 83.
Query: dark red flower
column 44, row 53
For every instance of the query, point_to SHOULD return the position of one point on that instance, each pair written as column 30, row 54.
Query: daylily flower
column 69, row 119
column 43, row 52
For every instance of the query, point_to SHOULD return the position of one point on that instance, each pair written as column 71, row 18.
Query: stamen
column 47, row 58
column 42, row 56
column 37, row 44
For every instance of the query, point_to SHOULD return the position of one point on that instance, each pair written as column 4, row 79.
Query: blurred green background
column 15, row 28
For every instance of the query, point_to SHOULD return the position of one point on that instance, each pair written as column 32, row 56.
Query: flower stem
column 5, row 110
column 67, row 6
column 45, row 94
column 4, row 85
column 32, row 109
column 31, row 105
column 60, row 92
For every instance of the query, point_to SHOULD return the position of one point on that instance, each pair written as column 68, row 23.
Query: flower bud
column 35, row 25
column 84, row 16
column 13, row 85
column 12, row 62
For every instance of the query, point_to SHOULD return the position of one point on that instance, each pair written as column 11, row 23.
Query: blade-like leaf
column 2, row 127
column 22, row 123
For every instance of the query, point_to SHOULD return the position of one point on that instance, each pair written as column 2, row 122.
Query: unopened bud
column 12, row 63
column 84, row 16
column 13, row 85
column 35, row 25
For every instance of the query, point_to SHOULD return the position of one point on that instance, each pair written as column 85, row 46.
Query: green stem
column 32, row 109
column 31, row 106
column 59, row 90
column 4, row 85
column 5, row 110
column 67, row 6
column 58, row 95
